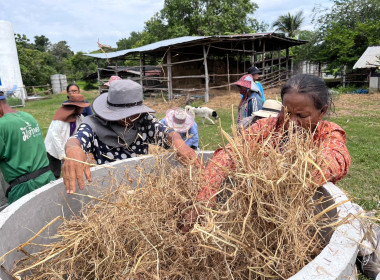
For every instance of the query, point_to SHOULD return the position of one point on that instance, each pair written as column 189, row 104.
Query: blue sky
column 82, row 23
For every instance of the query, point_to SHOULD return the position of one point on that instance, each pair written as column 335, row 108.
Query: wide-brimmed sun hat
column 123, row 99
column 254, row 70
column 247, row 82
column 271, row 108
column 179, row 119
column 76, row 100
column 112, row 79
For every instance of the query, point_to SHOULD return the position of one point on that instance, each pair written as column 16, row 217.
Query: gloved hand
column 72, row 170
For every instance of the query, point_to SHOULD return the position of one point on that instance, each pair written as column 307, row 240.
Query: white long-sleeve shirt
column 57, row 136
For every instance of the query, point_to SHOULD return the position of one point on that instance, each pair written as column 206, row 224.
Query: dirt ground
column 345, row 104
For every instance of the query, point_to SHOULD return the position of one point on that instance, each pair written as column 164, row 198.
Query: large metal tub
column 25, row 217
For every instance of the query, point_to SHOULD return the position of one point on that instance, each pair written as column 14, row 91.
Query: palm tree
column 289, row 24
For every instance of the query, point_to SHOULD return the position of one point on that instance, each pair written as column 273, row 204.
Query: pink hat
column 113, row 78
column 247, row 82
column 179, row 119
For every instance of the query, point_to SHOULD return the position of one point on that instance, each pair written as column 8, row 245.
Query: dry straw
column 263, row 226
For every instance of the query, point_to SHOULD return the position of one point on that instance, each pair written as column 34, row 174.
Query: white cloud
column 81, row 23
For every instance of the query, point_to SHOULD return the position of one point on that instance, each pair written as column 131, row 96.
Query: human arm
column 73, row 166
column 335, row 158
column 184, row 152
column 57, row 131
column 193, row 140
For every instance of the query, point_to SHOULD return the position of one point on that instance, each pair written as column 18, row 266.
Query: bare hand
column 189, row 218
column 73, row 169
column 186, row 155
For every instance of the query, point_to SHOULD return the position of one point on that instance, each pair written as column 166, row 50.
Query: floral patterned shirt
column 150, row 131
column 330, row 135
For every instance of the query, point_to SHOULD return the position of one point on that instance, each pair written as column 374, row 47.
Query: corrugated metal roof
column 150, row 47
column 187, row 39
column 369, row 59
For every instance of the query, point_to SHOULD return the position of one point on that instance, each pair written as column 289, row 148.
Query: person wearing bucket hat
column 74, row 89
column 251, row 100
column 65, row 123
column 182, row 122
column 121, row 128
column 23, row 159
column 271, row 108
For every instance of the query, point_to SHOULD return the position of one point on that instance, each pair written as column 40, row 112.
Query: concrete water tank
column 10, row 73
column 58, row 83
column 23, row 218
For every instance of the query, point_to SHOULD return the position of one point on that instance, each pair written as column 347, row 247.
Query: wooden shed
column 196, row 64
column 370, row 60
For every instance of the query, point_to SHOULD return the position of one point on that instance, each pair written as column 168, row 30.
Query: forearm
column 214, row 174
column 72, row 142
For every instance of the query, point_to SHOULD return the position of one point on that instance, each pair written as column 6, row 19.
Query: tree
column 61, row 53
column 23, row 41
column 41, row 43
column 130, row 43
column 289, row 24
column 79, row 66
column 35, row 66
column 347, row 30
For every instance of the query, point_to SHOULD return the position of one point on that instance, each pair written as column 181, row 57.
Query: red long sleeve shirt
column 334, row 151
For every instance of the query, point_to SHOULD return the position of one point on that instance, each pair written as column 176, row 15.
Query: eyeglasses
column 73, row 91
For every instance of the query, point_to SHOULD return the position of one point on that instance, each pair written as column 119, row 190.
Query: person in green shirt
column 23, row 159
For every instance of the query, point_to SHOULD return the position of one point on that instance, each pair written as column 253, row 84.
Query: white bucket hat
column 123, row 99
column 179, row 119
column 271, row 108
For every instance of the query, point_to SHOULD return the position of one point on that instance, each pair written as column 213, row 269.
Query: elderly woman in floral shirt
column 307, row 100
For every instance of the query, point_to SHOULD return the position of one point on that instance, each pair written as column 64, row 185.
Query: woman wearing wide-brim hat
column 65, row 123
column 183, row 122
column 251, row 97
column 121, row 128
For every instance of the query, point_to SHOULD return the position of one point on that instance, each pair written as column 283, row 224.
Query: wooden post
column 228, row 74
column 263, row 60
column 206, row 73
column 244, row 57
column 253, row 54
column 141, row 70
column 170, row 81
column 97, row 69
column 287, row 63
column 344, row 75
column 279, row 63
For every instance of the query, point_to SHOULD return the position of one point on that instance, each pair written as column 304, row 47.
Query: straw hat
column 76, row 100
column 123, row 99
column 271, row 108
column 112, row 79
column 179, row 119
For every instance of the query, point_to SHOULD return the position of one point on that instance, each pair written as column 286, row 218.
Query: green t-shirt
column 22, row 148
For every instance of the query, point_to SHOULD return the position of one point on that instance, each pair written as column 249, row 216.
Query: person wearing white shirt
column 65, row 123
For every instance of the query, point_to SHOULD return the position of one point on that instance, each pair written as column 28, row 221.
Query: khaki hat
column 271, row 108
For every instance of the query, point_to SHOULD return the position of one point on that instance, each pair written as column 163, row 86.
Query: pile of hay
column 263, row 225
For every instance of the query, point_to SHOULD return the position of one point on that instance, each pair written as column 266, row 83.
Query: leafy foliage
column 347, row 30
column 196, row 17
column 289, row 24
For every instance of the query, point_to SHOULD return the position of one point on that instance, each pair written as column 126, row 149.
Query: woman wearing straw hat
column 65, row 123
column 271, row 108
column 182, row 122
column 121, row 128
